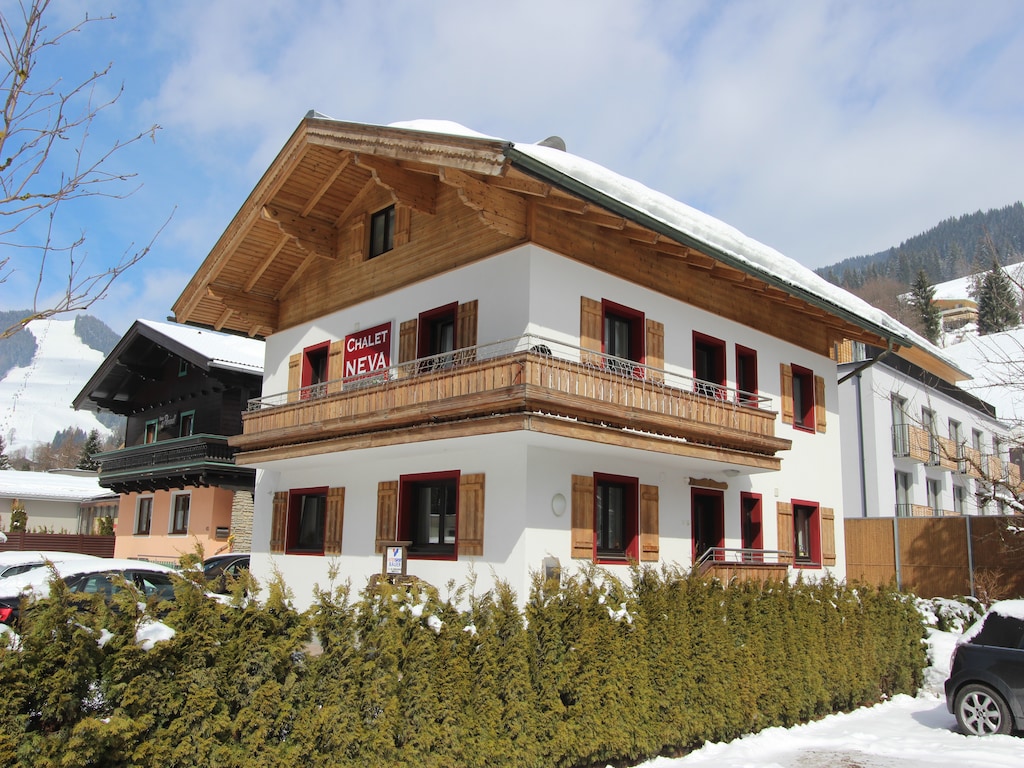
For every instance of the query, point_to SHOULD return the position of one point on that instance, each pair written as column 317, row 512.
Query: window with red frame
column 806, row 534
column 707, row 517
column 623, row 337
column 307, row 509
column 616, row 529
column 708, row 365
column 803, row 398
column 746, row 375
column 437, row 336
column 314, row 369
column 428, row 507
column 751, row 528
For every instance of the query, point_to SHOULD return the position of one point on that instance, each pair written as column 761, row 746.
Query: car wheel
column 981, row 711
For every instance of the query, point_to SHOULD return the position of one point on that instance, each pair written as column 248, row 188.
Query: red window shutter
column 294, row 377
column 828, row 535
column 591, row 321
column 465, row 331
column 387, row 513
column 656, row 348
column 583, row 516
column 819, row 403
column 279, row 522
column 650, row 548
column 471, row 515
column 335, row 365
column 784, row 521
column 787, row 393
column 334, row 518
column 407, row 338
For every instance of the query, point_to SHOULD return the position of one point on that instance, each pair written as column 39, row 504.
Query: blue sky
column 824, row 129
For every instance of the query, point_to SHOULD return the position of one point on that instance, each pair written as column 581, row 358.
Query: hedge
column 591, row 671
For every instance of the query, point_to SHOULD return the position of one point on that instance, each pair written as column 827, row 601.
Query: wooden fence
column 938, row 556
column 84, row 544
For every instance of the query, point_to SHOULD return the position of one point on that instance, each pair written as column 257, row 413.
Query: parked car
column 218, row 569
column 13, row 563
column 985, row 689
column 100, row 576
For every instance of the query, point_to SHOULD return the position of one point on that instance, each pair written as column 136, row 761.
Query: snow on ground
column 906, row 732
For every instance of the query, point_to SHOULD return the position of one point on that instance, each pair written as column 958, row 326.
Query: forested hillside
column 953, row 248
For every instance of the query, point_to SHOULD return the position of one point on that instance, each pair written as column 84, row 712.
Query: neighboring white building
column 509, row 356
column 915, row 444
column 55, row 502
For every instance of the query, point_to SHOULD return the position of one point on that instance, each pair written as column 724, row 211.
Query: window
column 314, row 370
column 803, row 398
column 959, row 499
column 183, row 366
column 746, row 375
column 976, row 439
column 707, row 517
column 806, row 534
column 615, row 518
column 928, row 425
column 934, row 489
column 903, row 482
column 708, row 365
column 143, row 515
column 179, row 512
column 428, row 513
column 186, row 423
column 623, row 338
column 437, row 337
column 750, row 526
column 307, row 509
column 151, row 432
column 900, row 430
column 382, row 231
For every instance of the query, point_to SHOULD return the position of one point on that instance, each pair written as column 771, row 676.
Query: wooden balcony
column 198, row 460
column 758, row 565
column 529, row 377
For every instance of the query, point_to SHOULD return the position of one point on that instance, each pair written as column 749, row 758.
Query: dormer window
column 382, row 231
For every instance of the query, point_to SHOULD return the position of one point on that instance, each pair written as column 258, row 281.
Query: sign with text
column 395, row 561
column 368, row 351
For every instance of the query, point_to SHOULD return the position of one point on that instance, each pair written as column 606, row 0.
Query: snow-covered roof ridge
column 221, row 350
column 50, row 486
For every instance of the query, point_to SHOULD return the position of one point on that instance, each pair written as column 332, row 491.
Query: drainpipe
column 860, row 449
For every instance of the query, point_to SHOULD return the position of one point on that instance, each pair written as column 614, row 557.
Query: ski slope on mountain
column 35, row 400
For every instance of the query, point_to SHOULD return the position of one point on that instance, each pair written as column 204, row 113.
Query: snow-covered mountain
column 35, row 399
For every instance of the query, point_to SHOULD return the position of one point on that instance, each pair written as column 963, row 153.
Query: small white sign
column 394, row 566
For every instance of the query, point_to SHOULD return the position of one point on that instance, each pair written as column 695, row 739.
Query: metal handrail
column 743, row 556
column 449, row 362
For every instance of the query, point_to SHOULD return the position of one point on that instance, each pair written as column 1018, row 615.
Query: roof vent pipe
column 555, row 142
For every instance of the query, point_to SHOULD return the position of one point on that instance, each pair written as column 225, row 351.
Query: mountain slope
column 35, row 396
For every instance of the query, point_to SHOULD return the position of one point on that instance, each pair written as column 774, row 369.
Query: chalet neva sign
column 368, row 351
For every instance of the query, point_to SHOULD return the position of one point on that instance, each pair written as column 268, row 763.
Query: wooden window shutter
column 465, row 331
column 819, row 403
column 334, row 518
column 787, row 393
column 591, row 321
column 335, row 365
column 294, row 377
column 471, row 515
column 650, row 549
column 403, row 224
column 828, row 535
column 656, row 348
column 387, row 514
column 583, row 516
column 279, row 522
column 356, row 244
column 784, row 521
column 407, row 340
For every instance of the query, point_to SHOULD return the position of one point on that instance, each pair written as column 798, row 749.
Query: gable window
column 180, row 503
column 750, row 526
column 623, row 338
column 151, row 432
column 746, row 376
column 306, row 512
column 437, row 337
column 428, row 513
column 707, row 518
column 314, row 370
column 186, row 423
column 708, row 365
column 382, row 231
column 615, row 518
column 143, row 515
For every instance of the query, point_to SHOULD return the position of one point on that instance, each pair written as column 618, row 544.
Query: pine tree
column 5, row 462
column 91, row 448
column 922, row 296
column 998, row 304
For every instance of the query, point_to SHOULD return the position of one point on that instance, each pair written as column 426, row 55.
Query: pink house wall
column 209, row 509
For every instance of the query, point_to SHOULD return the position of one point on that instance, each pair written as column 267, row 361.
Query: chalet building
column 183, row 391
column 509, row 358
column 917, row 445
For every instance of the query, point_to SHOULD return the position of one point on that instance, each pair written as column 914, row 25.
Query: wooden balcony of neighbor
column 528, row 376
column 758, row 565
column 197, row 460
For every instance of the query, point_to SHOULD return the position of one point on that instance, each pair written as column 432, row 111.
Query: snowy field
column 903, row 733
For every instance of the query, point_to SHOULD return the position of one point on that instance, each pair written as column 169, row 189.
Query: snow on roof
column 50, row 486
column 221, row 350
column 997, row 361
column 714, row 234
column 960, row 288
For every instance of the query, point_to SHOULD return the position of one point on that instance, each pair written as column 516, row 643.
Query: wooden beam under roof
column 503, row 211
column 287, row 287
column 253, row 310
column 344, row 159
column 418, row 191
column 267, row 261
column 312, row 235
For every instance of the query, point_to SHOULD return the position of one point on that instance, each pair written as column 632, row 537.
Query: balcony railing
column 528, row 374
column 744, row 564
column 194, row 460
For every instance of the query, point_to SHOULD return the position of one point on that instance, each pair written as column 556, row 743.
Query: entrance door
column 708, row 523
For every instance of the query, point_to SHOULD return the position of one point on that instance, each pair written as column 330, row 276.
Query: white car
column 98, row 575
column 15, row 562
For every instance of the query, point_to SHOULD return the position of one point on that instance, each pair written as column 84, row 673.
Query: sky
column 823, row 129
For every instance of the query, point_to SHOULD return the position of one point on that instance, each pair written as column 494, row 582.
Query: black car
column 219, row 569
column 985, row 689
